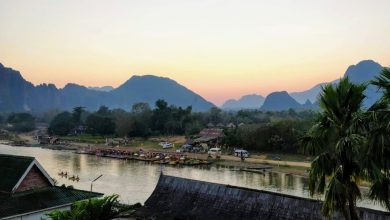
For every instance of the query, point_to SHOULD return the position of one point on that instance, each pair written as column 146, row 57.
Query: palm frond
column 380, row 192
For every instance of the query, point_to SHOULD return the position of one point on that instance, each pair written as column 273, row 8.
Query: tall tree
column 141, row 107
column 62, row 124
column 104, row 111
column 337, row 140
column 141, row 116
column 161, row 115
column 76, row 114
column 102, row 125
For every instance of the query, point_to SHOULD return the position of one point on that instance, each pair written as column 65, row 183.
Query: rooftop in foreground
column 40, row 199
column 27, row 190
column 179, row 198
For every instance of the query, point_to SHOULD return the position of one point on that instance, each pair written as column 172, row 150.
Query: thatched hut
column 179, row 198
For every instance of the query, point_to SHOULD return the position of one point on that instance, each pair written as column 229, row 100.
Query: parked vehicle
column 166, row 145
column 186, row 148
column 240, row 152
column 214, row 151
column 275, row 157
column 197, row 149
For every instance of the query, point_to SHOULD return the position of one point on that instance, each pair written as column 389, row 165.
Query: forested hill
column 17, row 94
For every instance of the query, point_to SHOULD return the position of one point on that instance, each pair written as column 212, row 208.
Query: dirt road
column 265, row 161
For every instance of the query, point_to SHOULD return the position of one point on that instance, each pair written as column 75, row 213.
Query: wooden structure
column 209, row 137
column 45, row 139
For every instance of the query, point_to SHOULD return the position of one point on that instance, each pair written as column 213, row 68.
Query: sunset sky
column 220, row 49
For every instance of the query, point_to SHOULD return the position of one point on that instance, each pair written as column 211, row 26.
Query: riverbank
column 283, row 166
column 288, row 167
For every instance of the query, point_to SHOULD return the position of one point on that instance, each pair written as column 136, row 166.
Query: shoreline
column 286, row 167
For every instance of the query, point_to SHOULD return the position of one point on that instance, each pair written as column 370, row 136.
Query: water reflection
column 134, row 181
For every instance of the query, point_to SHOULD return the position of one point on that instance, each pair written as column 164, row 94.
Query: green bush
column 95, row 209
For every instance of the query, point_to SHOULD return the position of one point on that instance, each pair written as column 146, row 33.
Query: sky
column 218, row 48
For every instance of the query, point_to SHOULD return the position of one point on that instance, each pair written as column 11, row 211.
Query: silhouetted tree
column 76, row 114
column 62, row 124
column 337, row 141
column 98, row 124
column 21, row 122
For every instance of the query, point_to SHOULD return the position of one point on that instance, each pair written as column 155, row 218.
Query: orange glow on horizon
column 219, row 49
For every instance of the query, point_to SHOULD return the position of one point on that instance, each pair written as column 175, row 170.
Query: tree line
column 251, row 129
column 18, row 122
column 255, row 130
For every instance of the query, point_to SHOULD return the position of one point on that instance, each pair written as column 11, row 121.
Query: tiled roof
column 12, row 169
column 211, row 132
column 35, row 200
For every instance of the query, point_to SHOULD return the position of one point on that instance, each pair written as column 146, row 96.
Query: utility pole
column 95, row 180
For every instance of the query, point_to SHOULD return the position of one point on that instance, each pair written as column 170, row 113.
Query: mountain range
column 278, row 101
column 246, row 102
column 362, row 72
column 17, row 94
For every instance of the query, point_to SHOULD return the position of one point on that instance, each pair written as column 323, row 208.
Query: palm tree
column 377, row 159
column 337, row 140
column 383, row 83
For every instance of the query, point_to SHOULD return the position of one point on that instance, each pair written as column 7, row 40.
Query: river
column 134, row 181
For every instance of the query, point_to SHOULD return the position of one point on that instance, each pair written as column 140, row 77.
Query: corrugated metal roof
column 179, row 198
column 35, row 200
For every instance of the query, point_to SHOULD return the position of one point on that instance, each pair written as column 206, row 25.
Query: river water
column 134, row 181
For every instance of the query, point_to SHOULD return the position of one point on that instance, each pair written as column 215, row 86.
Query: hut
column 210, row 125
column 28, row 192
column 209, row 137
column 220, row 125
column 241, row 124
column 231, row 125
column 78, row 130
column 45, row 139
column 179, row 198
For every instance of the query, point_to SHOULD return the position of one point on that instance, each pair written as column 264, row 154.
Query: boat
column 173, row 162
column 264, row 168
column 253, row 170
column 161, row 162
column 63, row 174
column 144, row 159
column 116, row 156
column 192, row 162
column 206, row 162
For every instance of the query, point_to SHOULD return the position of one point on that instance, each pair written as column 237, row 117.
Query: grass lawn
column 85, row 138
column 144, row 143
